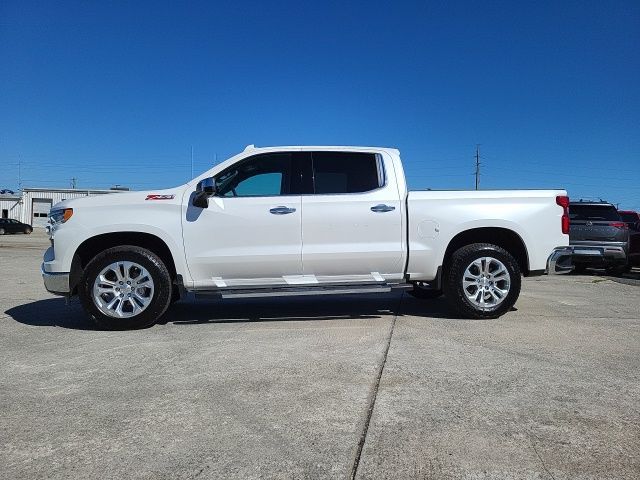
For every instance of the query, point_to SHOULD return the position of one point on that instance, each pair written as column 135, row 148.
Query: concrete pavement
column 282, row 388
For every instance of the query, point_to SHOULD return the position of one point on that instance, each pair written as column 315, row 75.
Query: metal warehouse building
column 34, row 204
column 10, row 206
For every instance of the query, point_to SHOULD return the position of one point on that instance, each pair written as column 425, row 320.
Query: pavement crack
column 533, row 444
column 374, row 394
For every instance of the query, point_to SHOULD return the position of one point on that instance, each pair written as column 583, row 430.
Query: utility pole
column 20, row 173
column 74, row 181
column 477, row 166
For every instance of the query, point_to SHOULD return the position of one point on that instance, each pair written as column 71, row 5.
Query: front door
column 250, row 235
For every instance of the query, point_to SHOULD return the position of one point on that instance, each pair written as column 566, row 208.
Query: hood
column 122, row 198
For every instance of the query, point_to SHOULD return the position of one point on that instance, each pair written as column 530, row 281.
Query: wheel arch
column 505, row 238
column 90, row 247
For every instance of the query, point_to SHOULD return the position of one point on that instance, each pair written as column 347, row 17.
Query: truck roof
column 347, row 148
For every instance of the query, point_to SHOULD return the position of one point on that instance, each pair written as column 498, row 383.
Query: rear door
column 351, row 223
column 596, row 223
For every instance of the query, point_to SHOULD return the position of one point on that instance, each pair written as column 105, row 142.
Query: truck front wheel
column 481, row 281
column 125, row 287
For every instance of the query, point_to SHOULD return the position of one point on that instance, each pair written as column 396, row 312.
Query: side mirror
column 206, row 188
column 207, row 185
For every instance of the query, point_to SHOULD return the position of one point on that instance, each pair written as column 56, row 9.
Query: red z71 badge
column 159, row 197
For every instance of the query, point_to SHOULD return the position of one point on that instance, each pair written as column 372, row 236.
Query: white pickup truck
column 302, row 221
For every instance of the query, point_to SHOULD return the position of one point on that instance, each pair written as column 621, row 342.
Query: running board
column 294, row 291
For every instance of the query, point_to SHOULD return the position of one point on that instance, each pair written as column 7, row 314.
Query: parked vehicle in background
column 632, row 219
column 9, row 225
column 284, row 221
column 598, row 237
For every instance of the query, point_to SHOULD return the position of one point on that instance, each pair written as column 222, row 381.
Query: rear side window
column 593, row 212
column 346, row 172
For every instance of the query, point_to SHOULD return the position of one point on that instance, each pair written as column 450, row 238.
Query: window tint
column 593, row 212
column 346, row 172
column 629, row 217
column 261, row 175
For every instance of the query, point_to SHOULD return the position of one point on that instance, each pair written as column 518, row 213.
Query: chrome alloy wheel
column 486, row 282
column 123, row 289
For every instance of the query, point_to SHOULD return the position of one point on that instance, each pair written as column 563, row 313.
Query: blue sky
column 119, row 92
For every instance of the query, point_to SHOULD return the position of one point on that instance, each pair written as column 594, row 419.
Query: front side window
column 262, row 175
column 346, row 172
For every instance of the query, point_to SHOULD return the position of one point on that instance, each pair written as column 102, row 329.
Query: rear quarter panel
column 436, row 217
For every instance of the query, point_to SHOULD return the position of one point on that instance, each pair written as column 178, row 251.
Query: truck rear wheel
column 481, row 281
column 125, row 287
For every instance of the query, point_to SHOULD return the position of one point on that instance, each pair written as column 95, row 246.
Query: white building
column 10, row 206
column 34, row 204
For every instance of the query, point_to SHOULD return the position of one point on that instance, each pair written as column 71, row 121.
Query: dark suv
column 598, row 236
column 632, row 219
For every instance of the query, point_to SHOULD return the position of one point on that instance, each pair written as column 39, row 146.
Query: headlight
column 60, row 216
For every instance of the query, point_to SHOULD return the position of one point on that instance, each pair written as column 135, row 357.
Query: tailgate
column 596, row 231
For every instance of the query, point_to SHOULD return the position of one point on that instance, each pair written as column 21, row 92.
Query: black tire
column 147, row 259
column 2, row 232
column 28, row 230
column 453, row 276
column 423, row 291
column 618, row 269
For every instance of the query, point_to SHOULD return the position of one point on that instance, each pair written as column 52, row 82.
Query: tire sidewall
column 155, row 267
column 454, row 289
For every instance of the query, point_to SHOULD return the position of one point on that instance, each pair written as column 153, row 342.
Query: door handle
column 382, row 208
column 282, row 210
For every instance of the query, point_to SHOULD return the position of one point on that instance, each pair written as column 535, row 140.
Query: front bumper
column 560, row 261
column 56, row 283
